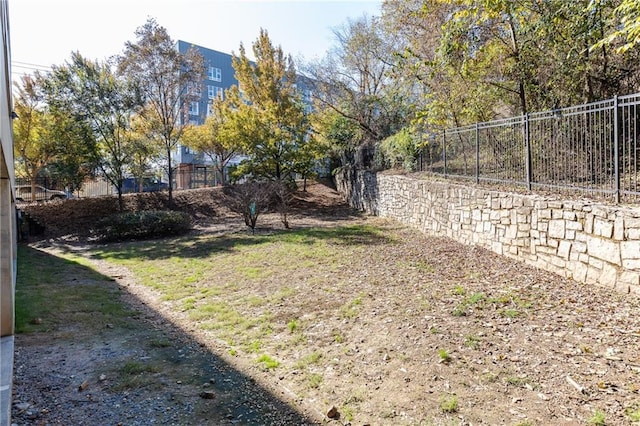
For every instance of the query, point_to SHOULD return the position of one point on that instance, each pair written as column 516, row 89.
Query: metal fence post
column 527, row 144
column 616, row 149
column 477, row 155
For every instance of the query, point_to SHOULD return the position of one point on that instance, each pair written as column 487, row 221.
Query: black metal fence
column 591, row 149
column 191, row 176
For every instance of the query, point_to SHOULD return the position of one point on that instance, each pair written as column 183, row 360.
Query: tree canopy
column 168, row 81
column 49, row 138
column 217, row 138
column 269, row 118
column 93, row 94
column 477, row 59
column 388, row 81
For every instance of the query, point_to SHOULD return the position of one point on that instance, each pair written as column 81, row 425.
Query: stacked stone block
column 582, row 240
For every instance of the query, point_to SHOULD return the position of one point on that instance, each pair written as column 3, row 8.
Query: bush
column 398, row 151
column 142, row 225
column 249, row 200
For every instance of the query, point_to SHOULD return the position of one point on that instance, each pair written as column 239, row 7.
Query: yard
column 389, row 326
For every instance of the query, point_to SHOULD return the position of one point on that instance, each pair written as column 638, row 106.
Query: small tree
column 249, row 200
column 145, row 151
column 216, row 138
column 270, row 120
column 283, row 195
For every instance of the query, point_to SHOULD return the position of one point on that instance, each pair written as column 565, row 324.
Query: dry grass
column 394, row 327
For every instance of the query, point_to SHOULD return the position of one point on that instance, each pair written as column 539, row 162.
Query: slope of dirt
column 77, row 216
column 461, row 336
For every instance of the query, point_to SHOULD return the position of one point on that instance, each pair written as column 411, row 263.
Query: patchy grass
column 472, row 341
column 160, row 343
column 520, row 382
column 292, row 325
column 444, row 356
column 449, row 404
column 333, row 308
column 134, row 374
column 268, row 362
column 48, row 299
column 598, row 418
column 633, row 412
column 351, row 309
column 314, row 380
column 312, row 358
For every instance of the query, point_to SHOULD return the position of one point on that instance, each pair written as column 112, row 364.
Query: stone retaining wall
column 588, row 242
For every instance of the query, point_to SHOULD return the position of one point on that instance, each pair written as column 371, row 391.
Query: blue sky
column 45, row 32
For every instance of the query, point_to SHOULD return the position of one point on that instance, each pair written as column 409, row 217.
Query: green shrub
column 142, row 225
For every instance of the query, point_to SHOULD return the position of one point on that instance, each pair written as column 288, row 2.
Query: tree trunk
column 170, row 171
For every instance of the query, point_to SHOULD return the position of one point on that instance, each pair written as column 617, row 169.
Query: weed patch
column 449, row 404
column 268, row 362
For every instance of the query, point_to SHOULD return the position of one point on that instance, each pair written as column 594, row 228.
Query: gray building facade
column 220, row 76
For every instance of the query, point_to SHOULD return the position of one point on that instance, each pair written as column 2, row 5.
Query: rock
column 83, row 386
column 36, row 321
column 332, row 413
column 102, row 378
column 208, row 394
column 22, row 406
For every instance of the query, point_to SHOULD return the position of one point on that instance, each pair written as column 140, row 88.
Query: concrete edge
column 6, row 378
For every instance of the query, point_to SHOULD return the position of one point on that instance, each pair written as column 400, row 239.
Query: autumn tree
column 34, row 144
column 353, row 89
column 627, row 34
column 45, row 137
column 270, row 121
column 145, row 152
column 75, row 160
column 478, row 59
column 168, row 81
column 95, row 95
column 217, row 138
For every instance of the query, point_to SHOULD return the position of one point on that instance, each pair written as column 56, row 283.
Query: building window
column 194, row 108
column 215, row 92
column 209, row 109
column 215, row 74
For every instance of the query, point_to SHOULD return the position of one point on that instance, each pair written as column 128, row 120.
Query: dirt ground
column 466, row 337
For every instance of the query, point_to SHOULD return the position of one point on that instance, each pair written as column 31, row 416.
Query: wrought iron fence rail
column 589, row 149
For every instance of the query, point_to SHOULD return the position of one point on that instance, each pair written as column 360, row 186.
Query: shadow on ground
column 84, row 356
column 203, row 246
